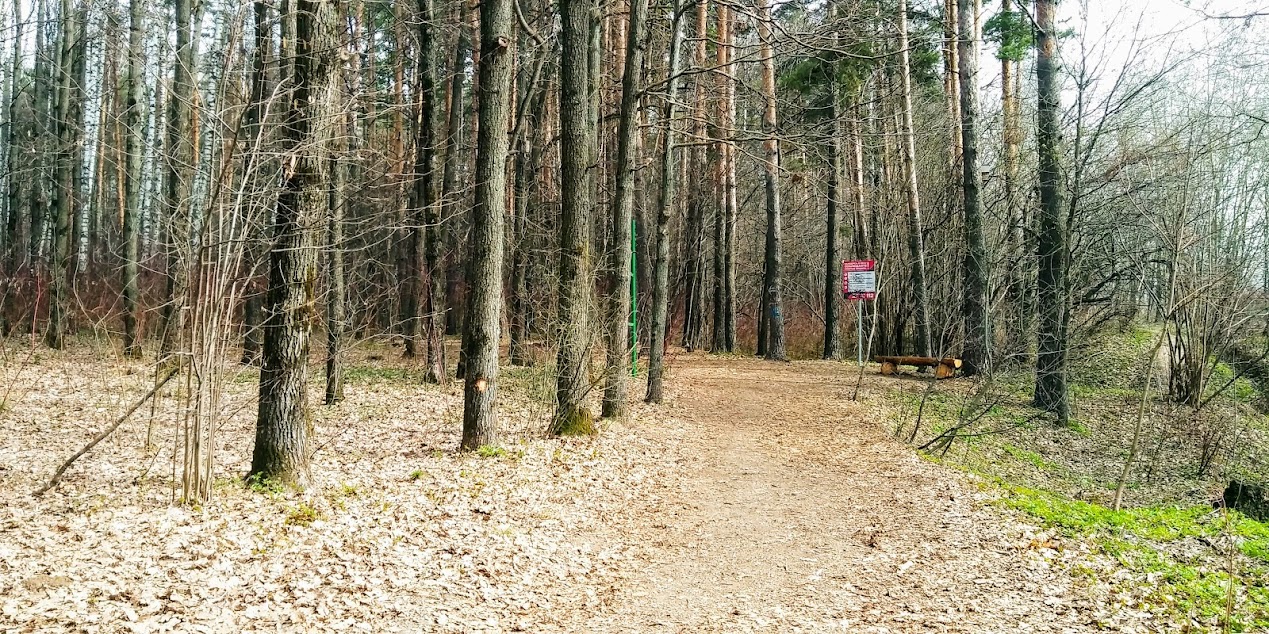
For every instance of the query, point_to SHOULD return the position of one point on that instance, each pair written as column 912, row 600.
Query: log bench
column 944, row 368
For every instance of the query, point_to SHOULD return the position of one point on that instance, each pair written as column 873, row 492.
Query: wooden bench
column 944, row 368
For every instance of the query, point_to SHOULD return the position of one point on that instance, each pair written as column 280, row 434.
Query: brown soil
column 795, row 511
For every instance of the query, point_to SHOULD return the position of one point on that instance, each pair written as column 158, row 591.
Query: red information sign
column 859, row 279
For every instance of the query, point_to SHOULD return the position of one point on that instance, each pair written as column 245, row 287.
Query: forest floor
column 760, row 498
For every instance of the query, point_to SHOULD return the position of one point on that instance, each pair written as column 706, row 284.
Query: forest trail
column 797, row 512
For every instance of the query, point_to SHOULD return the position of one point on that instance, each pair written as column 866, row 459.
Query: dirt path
column 798, row 513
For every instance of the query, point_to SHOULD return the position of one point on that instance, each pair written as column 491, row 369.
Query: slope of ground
column 759, row 499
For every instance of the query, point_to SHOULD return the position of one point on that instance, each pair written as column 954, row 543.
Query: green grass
column 494, row 451
column 1137, row 539
column 267, row 486
column 302, row 514
column 1029, row 456
column 1243, row 390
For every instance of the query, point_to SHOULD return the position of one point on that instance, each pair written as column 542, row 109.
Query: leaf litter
column 760, row 499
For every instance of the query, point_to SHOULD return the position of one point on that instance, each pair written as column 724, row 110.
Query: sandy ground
column 760, row 498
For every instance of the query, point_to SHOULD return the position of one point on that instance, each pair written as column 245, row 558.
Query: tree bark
column 975, row 305
column 729, row 180
column 718, row 338
column 773, row 260
column 178, row 178
column 916, row 230
column 1051, row 253
column 69, row 124
column 134, row 151
column 694, row 239
column 15, row 209
column 484, row 260
column 832, row 252
column 621, row 335
column 575, row 290
column 423, row 201
column 1020, row 293
column 661, row 265
column 283, row 426
column 451, row 188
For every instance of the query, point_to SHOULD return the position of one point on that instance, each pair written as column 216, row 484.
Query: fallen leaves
column 397, row 533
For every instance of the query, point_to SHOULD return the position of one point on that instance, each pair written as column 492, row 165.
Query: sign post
column 859, row 284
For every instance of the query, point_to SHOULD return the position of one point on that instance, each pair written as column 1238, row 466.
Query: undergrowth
column 1173, row 554
column 1186, row 561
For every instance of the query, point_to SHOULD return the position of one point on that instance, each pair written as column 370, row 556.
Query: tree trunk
column 528, row 156
column 69, row 124
column 178, row 178
column 729, row 180
column 975, row 306
column 484, row 260
column 1020, row 293
column 423, row 203
column 336, row 277
column 410, row 233
column 952, row 81
column 451, row 196
column 832, row 252
column 576, row 138
column 45, row 80
column 773, row 307
column 282, row 425
column 260, row 171
column 621, row 335
column 9, row 255
column 661, row 265
column 135, row 152
column 1050, row 368
column 718, row 339
column 916, row 239
column 694, row 239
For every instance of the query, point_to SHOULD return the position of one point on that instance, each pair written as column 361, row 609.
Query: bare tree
column 665, row 202
column 772, row 345
column 282, row 423
column 484, row 259
column 975, row 306
column 622, row 334
column 1050, row 370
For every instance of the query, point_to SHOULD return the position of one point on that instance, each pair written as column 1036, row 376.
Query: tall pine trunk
column 661, row 264
column 621, row 332
column 283, row 426
column 836, row 189
column 178, row 178
column 9, row 255
column 729, row 198
column 773, row 309
column 1050, row 368
column 69, row 124
column 916, row 230
column 451, row 187
column 975, row 306
column 484, row 259
column 698, row 170
column 134, row 152
column 1020, row 293
column 423, row 203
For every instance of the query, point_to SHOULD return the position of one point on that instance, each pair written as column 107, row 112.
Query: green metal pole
column 634, row 302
